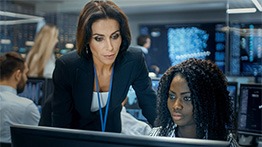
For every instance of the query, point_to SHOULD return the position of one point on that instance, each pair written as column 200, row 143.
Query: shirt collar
column 8, row 88
column 144, row 50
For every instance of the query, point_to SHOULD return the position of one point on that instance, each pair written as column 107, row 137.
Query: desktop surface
column 53, row 137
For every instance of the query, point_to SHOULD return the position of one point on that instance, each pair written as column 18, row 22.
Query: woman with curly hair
column 193, row 102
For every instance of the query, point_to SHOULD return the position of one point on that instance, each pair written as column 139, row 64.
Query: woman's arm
column 62, row 101
column 145, row 94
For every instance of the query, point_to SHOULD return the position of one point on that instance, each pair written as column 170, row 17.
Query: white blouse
column 49, row 67
column 103, row 99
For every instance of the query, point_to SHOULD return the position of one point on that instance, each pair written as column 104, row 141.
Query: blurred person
column 193, row 102
column 132, row 126
column 144, row 43
column 91, row 83
column 41, row 58
column 13, row 108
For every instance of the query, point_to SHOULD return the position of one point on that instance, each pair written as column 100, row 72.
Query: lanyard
column 103, row 121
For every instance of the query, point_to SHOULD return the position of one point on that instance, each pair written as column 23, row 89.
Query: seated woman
column 193, row 102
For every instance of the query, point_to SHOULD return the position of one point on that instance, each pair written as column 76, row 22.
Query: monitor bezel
column 99, row 138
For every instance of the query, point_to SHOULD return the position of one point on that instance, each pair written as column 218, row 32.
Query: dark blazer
column 74, row 80
column 46, row 118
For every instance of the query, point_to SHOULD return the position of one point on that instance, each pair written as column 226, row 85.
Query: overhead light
column 26, row 18
column 241, row 10
column 69, row 45
column 29, row 43
column 257, row 4
column 5, row 41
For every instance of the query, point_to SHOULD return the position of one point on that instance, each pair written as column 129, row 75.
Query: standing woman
column 41, row 58
column 91, row 84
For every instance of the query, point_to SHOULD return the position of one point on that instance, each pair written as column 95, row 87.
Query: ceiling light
column 26, row 18
column 257, row 5
column 242, row 10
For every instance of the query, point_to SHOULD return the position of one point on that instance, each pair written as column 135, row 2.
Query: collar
column 144, row 50
column 8, row 88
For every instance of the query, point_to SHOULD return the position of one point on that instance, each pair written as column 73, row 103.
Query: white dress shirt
column 15, row 110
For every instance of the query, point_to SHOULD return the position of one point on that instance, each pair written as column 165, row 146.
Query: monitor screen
column 245, row 49
column 35, row 90
column 132, row 106
column 174, row 43
column 250, row 109
column 54, row 137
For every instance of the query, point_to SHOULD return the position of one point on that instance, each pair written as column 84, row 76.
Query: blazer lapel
column 121, row 81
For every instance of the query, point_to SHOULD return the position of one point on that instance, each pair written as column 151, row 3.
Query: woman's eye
column 187, row 98
column 115, row 36
column 98, row 38
column 172, row 97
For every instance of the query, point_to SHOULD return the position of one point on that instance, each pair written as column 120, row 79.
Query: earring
column 86, row 49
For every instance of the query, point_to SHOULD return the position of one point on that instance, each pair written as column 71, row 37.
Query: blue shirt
column 15, row 110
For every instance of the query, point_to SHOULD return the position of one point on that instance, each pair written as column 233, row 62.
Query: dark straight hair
column 94, row 11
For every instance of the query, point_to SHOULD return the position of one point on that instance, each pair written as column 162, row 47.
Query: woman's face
column 179, row 102
column 105, row 41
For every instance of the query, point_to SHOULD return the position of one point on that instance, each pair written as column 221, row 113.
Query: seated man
column 14, row 109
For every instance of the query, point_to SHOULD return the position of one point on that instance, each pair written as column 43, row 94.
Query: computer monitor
column 35, row 89
column 132, row 106
column 250, row 109
column 173, row 43
column 245, row 54
column 31, row 136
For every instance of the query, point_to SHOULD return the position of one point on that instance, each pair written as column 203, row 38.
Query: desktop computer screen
column 245, row 54
column 54, row 137
column 132, row 106
column 250, row 109
column 35, row 90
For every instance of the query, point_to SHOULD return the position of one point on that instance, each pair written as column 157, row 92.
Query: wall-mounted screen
column 245, row 49
column 174, row 43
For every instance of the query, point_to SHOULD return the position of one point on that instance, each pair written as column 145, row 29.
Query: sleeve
column 45, row 119
column 155, row 132
column 145, row 94
column 232, row 141
column 32, row 115
column 132, row 126
column 62, row 99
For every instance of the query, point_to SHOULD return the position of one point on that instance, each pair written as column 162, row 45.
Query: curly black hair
column 212, row 108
